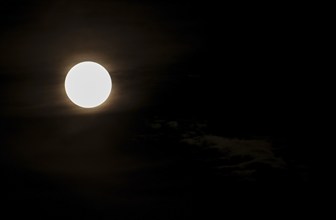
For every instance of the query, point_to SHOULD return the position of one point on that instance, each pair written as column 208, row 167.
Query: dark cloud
column 239, row 157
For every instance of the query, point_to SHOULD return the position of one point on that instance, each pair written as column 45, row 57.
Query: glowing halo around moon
column 88, row 84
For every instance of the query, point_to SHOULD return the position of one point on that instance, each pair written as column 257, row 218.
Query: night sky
column 202, row 120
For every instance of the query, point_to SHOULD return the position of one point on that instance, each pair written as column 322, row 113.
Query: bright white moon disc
column 88, row 84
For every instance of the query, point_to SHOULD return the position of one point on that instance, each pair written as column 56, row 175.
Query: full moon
column 88, row 84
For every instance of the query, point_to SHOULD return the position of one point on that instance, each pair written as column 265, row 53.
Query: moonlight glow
column 88, row 84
